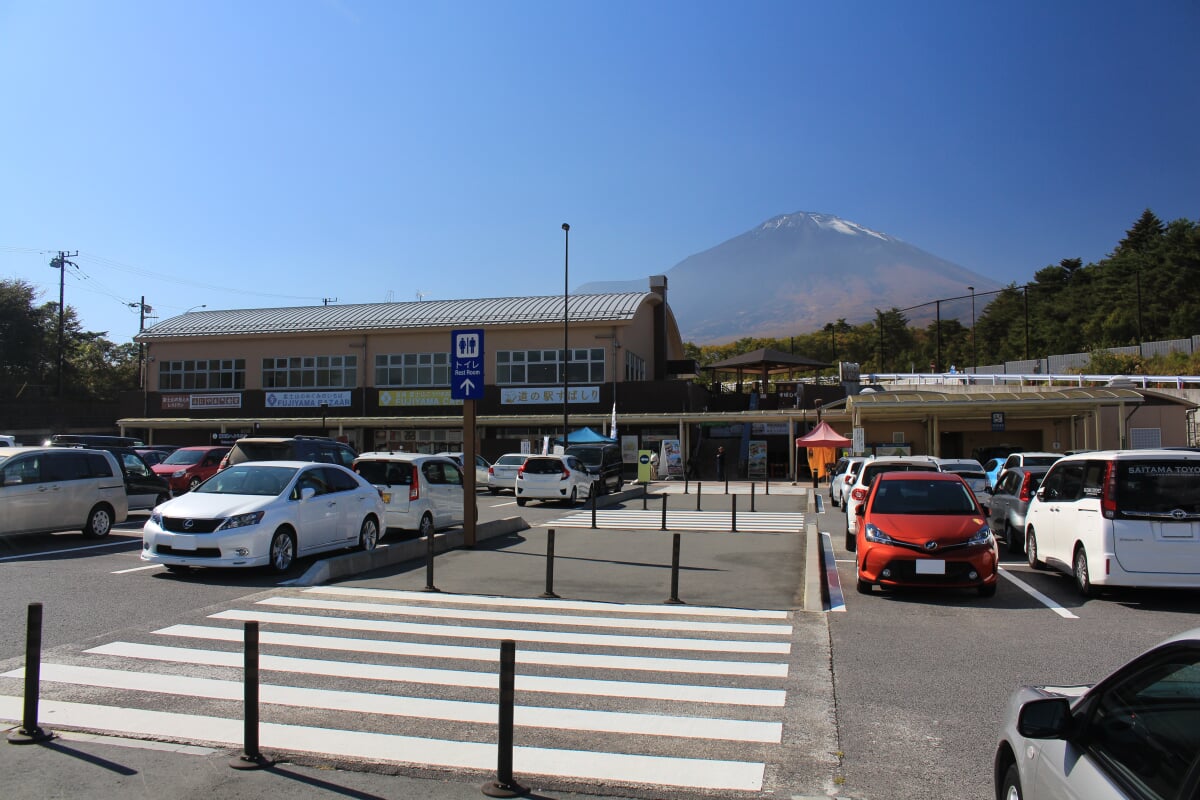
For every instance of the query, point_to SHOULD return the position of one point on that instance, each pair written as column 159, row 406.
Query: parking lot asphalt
column 631, row 565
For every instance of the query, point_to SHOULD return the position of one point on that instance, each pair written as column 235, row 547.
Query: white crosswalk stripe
column 677, row 520
column 632, row 695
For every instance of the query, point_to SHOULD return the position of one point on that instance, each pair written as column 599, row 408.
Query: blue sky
column 252, row 154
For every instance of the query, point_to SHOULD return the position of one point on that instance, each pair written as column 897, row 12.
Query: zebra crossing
column 711, row 521
column 666, row 696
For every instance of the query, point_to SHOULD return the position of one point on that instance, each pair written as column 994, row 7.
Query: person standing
column 720, row 463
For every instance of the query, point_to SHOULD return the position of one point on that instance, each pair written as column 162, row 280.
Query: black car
column 290, row 448
column 603, row 461
column 143, row 487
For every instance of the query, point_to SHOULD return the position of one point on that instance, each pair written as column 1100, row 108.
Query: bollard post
column 727, row 486
column 250, row 758
column 664, row 514
column 549, row 593
column 685, row 484
column 699, row 487
column 674, row 598
column 767, row 483
column 504, row 785
column 751, row 498
column 30, row 732
column 429, row 587
column 733, row 515
column 593, row 493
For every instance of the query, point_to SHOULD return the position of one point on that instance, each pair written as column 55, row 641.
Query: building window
column 202, row 375
column 1145, row 438
column 412, row 370
column 635, row 367
column 544, row 367
column 310, row 372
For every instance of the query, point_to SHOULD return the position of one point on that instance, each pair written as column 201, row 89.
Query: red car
column 188, row 467
column 924, row 529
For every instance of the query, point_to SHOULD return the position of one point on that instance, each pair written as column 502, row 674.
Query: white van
column 420, row 492
column 1119, row 518
column 44, row 489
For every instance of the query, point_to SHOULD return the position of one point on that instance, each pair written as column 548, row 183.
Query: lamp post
column 566, row 348
column 193, row 308
column 324, row 411
column 974, row 357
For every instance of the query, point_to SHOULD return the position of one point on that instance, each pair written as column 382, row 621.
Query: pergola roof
column 766, row 360
column 912, row 404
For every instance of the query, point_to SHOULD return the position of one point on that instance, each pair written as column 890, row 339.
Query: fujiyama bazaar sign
column 308, row 399
column 529, row 395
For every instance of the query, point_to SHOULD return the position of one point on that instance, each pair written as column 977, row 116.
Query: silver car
column 1010, row 501
column 972, row 472
column 1136, row 734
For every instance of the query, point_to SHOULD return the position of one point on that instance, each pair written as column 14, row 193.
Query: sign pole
column 470, row 505
column 467, row 376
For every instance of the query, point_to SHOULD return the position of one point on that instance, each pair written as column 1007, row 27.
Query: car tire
column 282, row 554
column 368, row 534
column 1010, row 787
column 425, row 527
column 521, row 501
column 193, row 483
column 178, row 569
column 493, row 491
column 863, row 587
column 162, row 498
column 1079, row 569
column 833, row 500
column 1031, row 550
column 851, row 542
column 573, row 500
column 99, row 522
column 1011, row 537
column 987, row 590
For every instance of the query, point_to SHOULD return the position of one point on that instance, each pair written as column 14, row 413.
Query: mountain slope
column 796, row 272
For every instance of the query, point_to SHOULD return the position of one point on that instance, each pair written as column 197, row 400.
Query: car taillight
column 1108, row 495
column 521, row 472
column 859, row 494
column 491, row 471
column 1026, row 482
column 848, row 479
column 414, row 490
column 566, row 475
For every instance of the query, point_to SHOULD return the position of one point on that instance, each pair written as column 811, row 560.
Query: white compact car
column 1119, row 518
column 502, row 474
column 856, row 492
column 420, row 492
column 562, row 478
column 972, row 472
column 264, row 513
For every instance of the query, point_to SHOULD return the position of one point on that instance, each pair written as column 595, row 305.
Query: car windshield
column 970, row 475
column 588, row 455
column 184, row 457
column 510, row 461
column 962, row 466
column 543, row 466
column 249, row 479
column 1158, row 486
column 875, row 470
column 389, row 473
column 1038, row 461
column 922, row 497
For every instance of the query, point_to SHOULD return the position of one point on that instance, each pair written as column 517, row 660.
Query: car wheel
column 493, row 491
column 864, row 587
column 178, row 569
column 987, row 590
column 425, row 528
column 574, row 498
column 162, row 498
column 1012, row 537
column 833, row 501
column 851, row 542
column 283, row 552
column 192, row 484
column 368, row 535
column 99, row 522
column 521, row 501
column 1031, row 550
column 1010, row 789
column 1083, row 581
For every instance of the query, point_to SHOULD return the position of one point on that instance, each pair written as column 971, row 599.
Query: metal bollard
column 30, row 732
column 685, row 484
column 643, row 497
column 504, row 785
column 593, row 493
column 727, row 486
column 549, row 593
column 767, row 484
column 699, row 487
column 250, row 758
column 674, row 598
column 664, row 514
column 429, row 587
column 733, row 516
column 751, row 498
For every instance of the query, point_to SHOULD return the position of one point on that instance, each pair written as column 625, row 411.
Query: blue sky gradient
column 269, row 153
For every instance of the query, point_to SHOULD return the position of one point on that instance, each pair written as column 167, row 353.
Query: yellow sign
column 645, row 474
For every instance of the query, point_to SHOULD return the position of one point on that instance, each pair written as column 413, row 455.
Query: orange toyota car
column 924, row 529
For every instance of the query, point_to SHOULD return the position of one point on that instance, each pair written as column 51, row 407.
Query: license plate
column 931, row 566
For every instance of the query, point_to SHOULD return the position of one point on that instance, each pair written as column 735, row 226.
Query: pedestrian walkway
column 613, row 694
column 652, row 520
column 761, row 488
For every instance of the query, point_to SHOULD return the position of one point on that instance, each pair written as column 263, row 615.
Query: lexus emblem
column 188, row 523
column 928, row 545
column 1179, row 513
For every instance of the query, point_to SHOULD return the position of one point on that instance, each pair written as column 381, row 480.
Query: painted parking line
column 128, row 542
column 136, row 569
column 1036, row 595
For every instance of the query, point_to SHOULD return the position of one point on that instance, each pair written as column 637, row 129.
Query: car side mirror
column 1041, row 494
column 308, row 493
column 1047, row 718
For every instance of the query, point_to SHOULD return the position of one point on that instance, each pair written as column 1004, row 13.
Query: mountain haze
column 796, row 272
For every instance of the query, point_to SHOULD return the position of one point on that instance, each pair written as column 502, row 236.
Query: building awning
column 950, row 405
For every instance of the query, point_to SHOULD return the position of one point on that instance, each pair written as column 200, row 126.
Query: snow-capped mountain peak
column 826, row 221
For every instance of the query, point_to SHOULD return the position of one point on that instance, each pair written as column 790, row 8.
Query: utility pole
column 143, row 310
column 328, row 300
column 60, row 263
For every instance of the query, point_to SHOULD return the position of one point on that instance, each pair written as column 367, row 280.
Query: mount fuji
column 796, row 272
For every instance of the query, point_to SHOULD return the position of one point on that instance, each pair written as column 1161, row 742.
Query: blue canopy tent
column 584, row 436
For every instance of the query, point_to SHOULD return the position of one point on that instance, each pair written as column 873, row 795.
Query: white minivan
column 44, row 489
column 420, row 492
column 1119, row 518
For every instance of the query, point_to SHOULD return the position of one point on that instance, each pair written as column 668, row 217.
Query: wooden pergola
column 763, row 363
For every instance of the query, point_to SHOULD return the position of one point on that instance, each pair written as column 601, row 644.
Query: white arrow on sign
column 467, row 386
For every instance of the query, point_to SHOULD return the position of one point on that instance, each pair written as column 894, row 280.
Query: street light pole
column 974, row 357
column 566, row 347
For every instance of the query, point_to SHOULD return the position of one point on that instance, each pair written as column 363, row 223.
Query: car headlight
column 981, row 536
column 156, row 518
column 242, row 520
column 179, row 473
column 872, row 534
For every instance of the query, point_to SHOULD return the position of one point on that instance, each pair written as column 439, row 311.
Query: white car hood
column 213, row 506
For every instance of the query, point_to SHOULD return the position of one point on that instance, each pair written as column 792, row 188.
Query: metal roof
column 768, row 359
column 414, row 314
column 1067, row 400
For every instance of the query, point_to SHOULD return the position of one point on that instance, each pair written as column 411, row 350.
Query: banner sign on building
column 534, row 395
column 308, row 399
column 192, row 402
column 768, row 429
column 389, row 398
